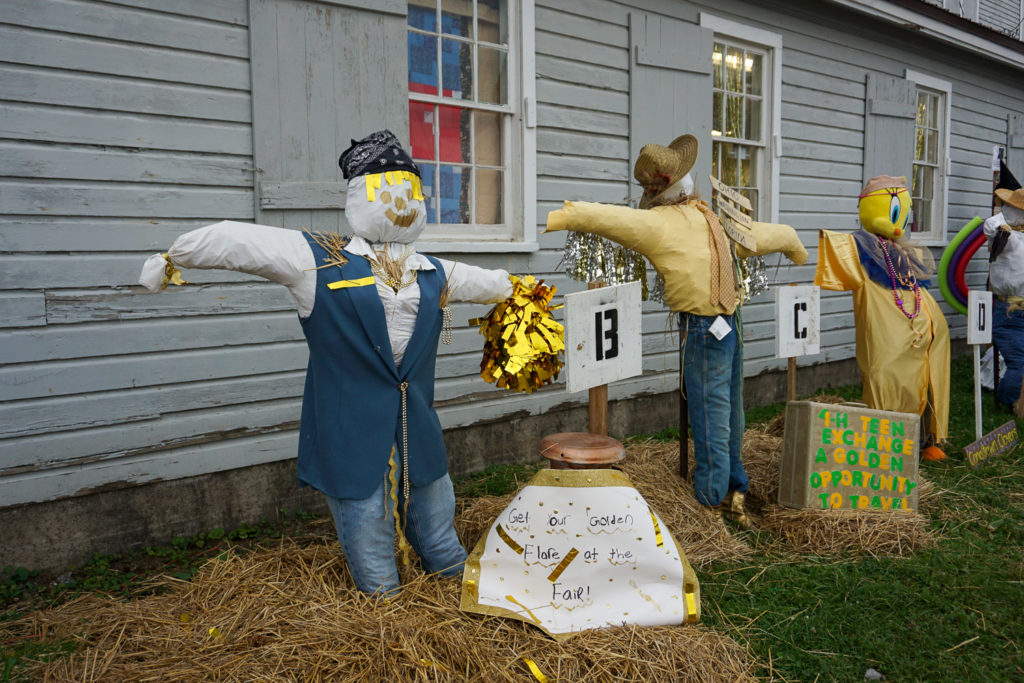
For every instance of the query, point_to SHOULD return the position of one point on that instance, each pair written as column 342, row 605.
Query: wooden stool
column 581, row 451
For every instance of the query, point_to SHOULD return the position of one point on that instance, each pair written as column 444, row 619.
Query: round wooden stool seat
column 581, row 450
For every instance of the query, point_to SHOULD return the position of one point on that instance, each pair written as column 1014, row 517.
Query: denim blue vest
column 352, row 407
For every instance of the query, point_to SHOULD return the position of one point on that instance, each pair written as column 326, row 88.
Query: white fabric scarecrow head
column 385, row 197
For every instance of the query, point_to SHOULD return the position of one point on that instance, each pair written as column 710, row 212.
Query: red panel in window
column 450, row 123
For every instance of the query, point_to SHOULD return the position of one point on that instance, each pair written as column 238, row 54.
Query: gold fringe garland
column 523, row 339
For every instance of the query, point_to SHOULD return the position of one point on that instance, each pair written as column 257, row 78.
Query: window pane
column 492, row 75
column 733, row 116
column 927, row 188
column 922, row 215
column 716, row 114
column 427, row 175
column 423, row 16
column 730, row 167
column 457, row 69
column 487, row 134
column 490, row 15
column 716, row 151
column 717, row 65
column 933, row 111
column 457, row 18
column 752, row 67
column 453, row 127
column 488, row 197
column 746, row 160
column 922, row 109
column 931, row 146
column 422, row 63
column 734, row 69
column 751, row 194
column 919, row 144
column 752, row 121
column 421, row 129
column 454, row 194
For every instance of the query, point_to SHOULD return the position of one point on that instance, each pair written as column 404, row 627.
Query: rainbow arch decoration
column 953, row 265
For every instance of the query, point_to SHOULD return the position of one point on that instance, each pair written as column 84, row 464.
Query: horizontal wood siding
column 125, row 123
column 1002, row 15
column 122, row 125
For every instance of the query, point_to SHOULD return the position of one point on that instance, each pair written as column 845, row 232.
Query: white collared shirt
column 284, row 256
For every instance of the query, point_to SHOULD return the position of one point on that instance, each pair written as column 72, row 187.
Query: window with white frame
column 466, row 120
column 928, row 186
column 745, row 108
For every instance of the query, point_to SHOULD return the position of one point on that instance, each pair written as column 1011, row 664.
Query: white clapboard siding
column 123, row 125
column 1002, row 15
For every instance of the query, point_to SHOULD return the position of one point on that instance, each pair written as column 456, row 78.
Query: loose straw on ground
column 291, row 612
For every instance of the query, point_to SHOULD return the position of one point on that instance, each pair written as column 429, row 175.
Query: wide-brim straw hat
column 1014, row 198
column 658, row 167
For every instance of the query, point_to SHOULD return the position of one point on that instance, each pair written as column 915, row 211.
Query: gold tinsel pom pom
column 523, row 339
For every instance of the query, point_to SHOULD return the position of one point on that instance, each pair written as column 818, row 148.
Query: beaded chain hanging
column 898, row 281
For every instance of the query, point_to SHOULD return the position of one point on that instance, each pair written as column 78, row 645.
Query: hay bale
column 292, row 613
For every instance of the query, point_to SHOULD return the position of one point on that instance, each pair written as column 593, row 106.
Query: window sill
column 467, row 247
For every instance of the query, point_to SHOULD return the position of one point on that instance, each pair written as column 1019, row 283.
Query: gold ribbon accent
column 403, row 544
column 509, row 541
column 535, row 670
column 657, row 530
column 525, row 608
column 172, row 275
column 691, row 606
column 360, row 282
column 570, row 556
column 723, row 276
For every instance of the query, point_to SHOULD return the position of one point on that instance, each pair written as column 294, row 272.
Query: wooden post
column 791, row 378
column 598, row 400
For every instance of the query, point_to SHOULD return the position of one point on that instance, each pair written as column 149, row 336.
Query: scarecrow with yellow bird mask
column 371, row 309
column 902, row 336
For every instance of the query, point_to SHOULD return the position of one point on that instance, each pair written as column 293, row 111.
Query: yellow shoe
column 732, row 510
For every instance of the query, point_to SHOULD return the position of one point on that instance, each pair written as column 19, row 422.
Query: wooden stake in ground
column 598, row 401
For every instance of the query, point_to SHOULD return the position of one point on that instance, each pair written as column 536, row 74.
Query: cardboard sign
column 797, row 321
column 847, row 457
column 979, row 317
column 577, row 550
column 996, row 442
column 602, row 336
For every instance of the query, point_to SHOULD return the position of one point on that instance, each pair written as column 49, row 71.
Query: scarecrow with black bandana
column 371, row 309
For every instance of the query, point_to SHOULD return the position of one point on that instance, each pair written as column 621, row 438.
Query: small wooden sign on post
column 797, row 327
column 735, row 222
column 996, row 442
column 603, row 344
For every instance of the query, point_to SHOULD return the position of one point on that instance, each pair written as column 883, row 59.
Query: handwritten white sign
column 580, row 549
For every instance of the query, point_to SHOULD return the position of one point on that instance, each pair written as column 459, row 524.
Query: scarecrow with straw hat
column 371, row 309
column 684, row 240
column 1005, row 231
column 902, row 336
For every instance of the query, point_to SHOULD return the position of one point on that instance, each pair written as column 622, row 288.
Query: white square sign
column 797, row 321
column 979, row 317
column 603, row 341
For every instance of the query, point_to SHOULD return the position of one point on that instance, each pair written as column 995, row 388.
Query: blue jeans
column 366, row 532
column 713, row 383
column 1008, row 336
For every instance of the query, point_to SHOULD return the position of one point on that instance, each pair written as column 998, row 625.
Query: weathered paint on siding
column 117, row 136
column 1002, row 15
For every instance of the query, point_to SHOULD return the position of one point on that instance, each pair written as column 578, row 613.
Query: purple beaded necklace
column 909, row 282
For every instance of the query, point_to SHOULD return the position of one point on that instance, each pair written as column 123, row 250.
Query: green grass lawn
column 951, row 613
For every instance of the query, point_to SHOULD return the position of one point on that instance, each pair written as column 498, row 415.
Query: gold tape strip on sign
column 525, row 608
column 732, row 194
column 691, row 605
column 566, row 561
column 503, row 535
column 657, row 530
column 535, row 670
column 341, row 284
